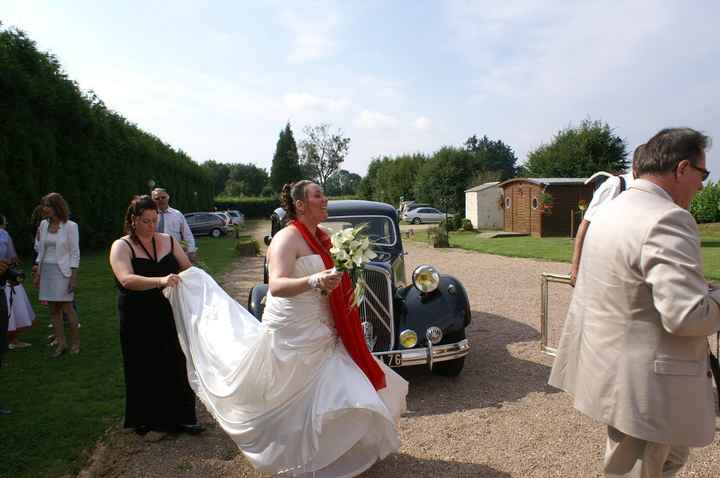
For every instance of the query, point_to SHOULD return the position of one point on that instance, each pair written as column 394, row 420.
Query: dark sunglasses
column 704, row 171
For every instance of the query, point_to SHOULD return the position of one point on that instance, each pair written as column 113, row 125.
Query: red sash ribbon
column 347, row 318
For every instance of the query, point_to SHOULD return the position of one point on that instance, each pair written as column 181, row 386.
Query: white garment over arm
column 607, row 191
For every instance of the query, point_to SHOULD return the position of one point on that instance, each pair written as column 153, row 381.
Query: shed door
column 521, row 210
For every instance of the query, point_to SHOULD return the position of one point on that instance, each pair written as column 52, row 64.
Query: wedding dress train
column 285, row 390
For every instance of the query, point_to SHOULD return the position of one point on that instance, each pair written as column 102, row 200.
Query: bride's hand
column 326, row 280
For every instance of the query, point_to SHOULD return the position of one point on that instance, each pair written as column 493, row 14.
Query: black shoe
column 191, row 429
column 5, row 411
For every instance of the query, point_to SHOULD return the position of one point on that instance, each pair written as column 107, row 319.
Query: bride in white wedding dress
column 288, row 391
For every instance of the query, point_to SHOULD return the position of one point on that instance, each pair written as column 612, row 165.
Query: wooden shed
column 481, row 206
column 544, row 207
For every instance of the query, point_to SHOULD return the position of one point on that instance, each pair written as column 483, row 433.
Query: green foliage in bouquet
column 350, row 252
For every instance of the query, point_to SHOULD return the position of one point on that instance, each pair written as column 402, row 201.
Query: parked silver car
column 236, row 216
column 207, row 223
column 424, row 215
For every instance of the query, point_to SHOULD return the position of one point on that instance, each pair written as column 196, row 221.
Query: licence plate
column 392, row 360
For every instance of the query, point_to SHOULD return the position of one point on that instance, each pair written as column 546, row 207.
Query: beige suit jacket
column 633, row 350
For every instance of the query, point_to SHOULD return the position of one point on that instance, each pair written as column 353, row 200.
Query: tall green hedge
column 53, row 137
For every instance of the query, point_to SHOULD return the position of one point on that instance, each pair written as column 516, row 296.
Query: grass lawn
column 560, row 248
column 62, row 406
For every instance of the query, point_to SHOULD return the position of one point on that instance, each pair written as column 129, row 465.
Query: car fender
column 447, row 307
column 256, row 300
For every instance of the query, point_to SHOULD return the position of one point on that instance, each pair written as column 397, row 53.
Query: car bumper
column 426, row 355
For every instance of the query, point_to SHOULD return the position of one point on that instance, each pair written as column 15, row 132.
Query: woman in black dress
column 158, row 396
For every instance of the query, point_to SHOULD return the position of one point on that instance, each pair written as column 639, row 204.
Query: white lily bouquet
column 350, row 252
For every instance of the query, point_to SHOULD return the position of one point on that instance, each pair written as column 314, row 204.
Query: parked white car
column 424, row 215
column 236, row 216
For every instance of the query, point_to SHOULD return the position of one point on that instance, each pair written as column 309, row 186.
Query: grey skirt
column 54, row 285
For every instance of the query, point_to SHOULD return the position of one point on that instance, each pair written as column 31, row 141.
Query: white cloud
column 540, row 66
column 372, row 119
column 298, row 102
column 423, row 123
column 313, row 32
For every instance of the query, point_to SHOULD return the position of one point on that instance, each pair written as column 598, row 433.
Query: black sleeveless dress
column 158, row 396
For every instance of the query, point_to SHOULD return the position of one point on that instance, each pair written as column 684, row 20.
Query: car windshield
column 379, row 229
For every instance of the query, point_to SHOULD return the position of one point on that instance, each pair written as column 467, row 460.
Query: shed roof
column 482, row 187
column 547, row 181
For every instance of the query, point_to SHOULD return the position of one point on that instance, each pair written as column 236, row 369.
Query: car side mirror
column 267, row 240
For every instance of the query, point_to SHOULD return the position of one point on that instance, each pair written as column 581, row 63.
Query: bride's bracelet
column 314, row 281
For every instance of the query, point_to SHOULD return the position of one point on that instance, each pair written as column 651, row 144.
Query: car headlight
column 426, row 278
column 408, row 338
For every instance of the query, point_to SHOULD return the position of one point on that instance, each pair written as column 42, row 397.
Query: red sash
column 347, row 319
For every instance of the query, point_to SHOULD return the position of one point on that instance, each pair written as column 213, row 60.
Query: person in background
column 58, row 260
column 158, row 397
column 633, row 351
column 35, row 219
column 173, row 222
column 20, row 311
column 606, row 192
column 4, row 265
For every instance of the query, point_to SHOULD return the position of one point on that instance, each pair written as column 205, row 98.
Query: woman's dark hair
column 292, row 192
column 56, row 202
column 138, row 205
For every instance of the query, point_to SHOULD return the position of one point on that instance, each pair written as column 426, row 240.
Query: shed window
column 535, row 203
column 507, row 203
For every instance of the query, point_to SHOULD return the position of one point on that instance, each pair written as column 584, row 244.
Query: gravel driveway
column 498, row 419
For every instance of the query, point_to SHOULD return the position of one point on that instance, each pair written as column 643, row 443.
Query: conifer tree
column 285, row 165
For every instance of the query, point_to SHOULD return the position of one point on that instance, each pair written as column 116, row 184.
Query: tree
column 342, row 183
column 493, row 156
column 285, row 165
column 246, row 180
column 218, row 173
column 392, row 178
column 323, row 151
column 442, row 179
column 366, row 189
column 579, row 152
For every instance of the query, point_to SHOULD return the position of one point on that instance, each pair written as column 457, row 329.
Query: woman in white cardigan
column 58, row 247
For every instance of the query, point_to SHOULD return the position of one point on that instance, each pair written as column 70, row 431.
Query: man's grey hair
column 160, row 190
column 662, row 153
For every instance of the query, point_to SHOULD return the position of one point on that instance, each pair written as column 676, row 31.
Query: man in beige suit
column 634, row 349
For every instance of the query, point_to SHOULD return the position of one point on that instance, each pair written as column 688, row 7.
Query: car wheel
column 216, row 233
column 416, row 220
column 451, row 368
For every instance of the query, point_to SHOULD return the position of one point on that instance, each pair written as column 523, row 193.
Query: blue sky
column 220, row 79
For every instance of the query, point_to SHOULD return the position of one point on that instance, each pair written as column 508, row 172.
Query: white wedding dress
column 285, row 390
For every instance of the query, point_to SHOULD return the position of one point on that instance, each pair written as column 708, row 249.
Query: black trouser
column 4, row 318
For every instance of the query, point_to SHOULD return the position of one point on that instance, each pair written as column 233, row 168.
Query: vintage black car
column 417, row 322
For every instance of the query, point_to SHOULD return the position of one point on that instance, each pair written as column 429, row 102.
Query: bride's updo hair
column 292, row 192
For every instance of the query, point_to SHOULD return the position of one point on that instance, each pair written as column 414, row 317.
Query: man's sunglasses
column 704, row 171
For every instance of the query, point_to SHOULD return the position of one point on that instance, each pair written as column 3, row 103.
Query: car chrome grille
column 376, row 309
